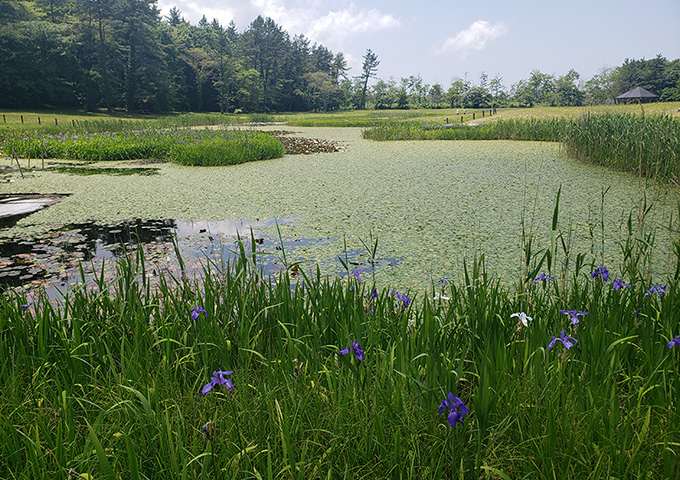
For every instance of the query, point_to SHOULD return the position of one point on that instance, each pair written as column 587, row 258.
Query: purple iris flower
column 574, row 314
column 404, row 299
column 543, row 277
column 674, row 342
column 357, row 274
column 218, row 377
column 374, row 293
column 601, row 271
column 657, row 288
column 356, row 348
column 457, row 409
column 619, row 284
column 25, row 306
column 196, row 312
column 566, row 340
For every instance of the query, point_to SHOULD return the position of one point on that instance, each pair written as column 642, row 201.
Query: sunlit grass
column 541, row 112
column 367, row 118
column 185, row 146
column 106, row 382
column 230, row 149
column 75, row 121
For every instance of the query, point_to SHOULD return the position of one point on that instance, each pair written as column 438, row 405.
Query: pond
column 431, row 205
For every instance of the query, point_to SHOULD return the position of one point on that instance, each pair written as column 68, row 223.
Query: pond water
column 431, row 205
column 54, row 260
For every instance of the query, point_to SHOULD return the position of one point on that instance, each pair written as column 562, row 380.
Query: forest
column 123, row 55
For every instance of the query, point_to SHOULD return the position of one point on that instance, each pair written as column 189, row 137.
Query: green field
column 344, row 118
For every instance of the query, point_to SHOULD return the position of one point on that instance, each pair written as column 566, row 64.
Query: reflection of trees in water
column 55, row 258
column 116, row 238
column 24, row 260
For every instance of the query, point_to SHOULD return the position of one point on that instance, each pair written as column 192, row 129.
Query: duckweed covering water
column 432, row 205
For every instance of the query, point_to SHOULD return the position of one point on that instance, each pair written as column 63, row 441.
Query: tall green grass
column 240, row 147
column 529, row 129
column 646, row 145
column 186, row 146
column 76, row 123
column 357, row 118
column 106, row 382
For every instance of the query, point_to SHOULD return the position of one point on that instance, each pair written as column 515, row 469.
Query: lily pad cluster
column 304, row 145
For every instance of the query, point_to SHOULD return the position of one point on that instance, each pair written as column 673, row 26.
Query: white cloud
column 328, row 23
column 351, row 21
column 475, row 37
column 330, row 28
column 192, row 10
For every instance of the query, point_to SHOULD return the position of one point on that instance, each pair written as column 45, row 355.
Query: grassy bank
column 16, row 123
column 108, row 382
column 74, row 121
column 648, row 145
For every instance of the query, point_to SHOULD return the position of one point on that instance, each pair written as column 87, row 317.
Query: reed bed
column 240, row 147
column 530, row 129
column 76, row 122
column 236, row 375
column 645, row 145
column 186, row 146
column 648, row 145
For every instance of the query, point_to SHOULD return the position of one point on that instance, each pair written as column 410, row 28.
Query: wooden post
column 22, row 119
column 461, row 119
column 55, row 121
column 38, row 120
column 4, row 120
column 473, row 115
column 482, row 113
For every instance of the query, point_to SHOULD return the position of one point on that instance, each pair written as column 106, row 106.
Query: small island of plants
column 205, row 147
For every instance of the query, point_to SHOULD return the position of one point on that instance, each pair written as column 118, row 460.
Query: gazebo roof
column 638, row 92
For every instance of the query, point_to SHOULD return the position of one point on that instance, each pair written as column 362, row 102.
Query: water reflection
column 56, row 258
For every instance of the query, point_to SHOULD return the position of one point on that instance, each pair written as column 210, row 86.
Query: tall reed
column 647, row 145
column 106, row 382
column 186, row 146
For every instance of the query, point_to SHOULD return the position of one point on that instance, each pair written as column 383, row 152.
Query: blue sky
column 440, row 40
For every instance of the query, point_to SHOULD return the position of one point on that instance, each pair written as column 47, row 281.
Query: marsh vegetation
column 526, row 323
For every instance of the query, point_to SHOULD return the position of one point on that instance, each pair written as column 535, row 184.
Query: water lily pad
column 432, row 204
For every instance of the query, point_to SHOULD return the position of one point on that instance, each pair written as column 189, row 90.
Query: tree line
column 123, row 55
column 658, row 75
